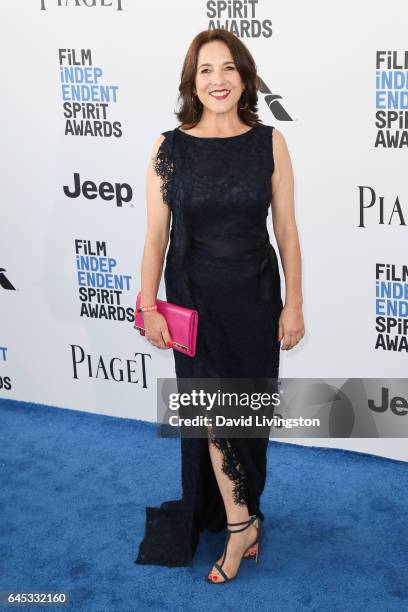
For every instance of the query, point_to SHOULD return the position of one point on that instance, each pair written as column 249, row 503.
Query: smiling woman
column 214, row 174
column 226, row 66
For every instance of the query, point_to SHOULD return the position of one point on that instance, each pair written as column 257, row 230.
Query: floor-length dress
column 220, row 261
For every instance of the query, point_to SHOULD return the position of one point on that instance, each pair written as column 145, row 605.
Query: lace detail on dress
column 232, row 468
column 164, row 168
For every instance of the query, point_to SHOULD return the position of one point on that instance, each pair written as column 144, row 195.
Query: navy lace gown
column 221, row 262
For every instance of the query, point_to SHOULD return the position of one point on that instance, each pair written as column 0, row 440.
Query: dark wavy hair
column 191, row 108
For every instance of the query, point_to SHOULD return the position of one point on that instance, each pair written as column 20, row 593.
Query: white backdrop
column 318, row 58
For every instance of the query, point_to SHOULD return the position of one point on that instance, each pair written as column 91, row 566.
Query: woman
column 215, row 176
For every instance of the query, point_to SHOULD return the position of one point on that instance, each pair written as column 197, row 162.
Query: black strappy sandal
column 257, row 541
column 247, row 556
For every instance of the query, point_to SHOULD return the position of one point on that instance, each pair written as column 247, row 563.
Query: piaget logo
column 380, row 209
column 117, row 369
column 44, row 4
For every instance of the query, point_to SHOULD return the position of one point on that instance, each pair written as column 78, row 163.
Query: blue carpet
column 74, row 487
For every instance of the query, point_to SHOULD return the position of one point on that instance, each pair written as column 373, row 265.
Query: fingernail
column 169, row 343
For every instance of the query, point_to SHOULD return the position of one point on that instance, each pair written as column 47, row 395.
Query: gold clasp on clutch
column 180, row 345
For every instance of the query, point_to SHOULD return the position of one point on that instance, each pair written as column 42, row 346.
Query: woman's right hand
column 156, row 330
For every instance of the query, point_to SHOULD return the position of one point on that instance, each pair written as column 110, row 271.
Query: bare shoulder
column 279, row 141
column 281, row 155
column 157, row 143
column 154, row 154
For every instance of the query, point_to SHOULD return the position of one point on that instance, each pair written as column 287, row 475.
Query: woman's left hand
column 291, row 326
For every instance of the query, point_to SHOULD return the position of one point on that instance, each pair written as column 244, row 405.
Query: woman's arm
column 157, row 232
column 157, row 237
column 284, row 224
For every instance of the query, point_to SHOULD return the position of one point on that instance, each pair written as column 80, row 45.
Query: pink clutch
column 182, row 324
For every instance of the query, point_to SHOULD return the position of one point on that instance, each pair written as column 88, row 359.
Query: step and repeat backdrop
column 87, row 88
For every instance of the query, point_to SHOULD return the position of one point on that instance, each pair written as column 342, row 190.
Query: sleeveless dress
column 220, row 261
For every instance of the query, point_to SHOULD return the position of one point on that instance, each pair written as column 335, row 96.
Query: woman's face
column 218, row 82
